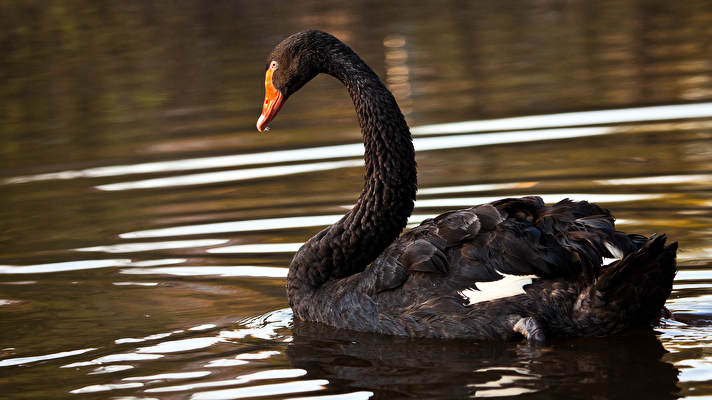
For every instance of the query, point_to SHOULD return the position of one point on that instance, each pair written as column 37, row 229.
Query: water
column 146, row 227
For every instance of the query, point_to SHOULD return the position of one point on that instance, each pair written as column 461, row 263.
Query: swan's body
column 445, row 277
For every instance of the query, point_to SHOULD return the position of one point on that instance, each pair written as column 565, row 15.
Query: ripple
column 176, row 346
column 515, row 127
column 113, row 358
column 263, row 390
column 503, row 386
column 659, row 180
column 262, row 375
column 106, row 387
column 260, row 355
column 147, row 338
column 147, row 284
column 229, row 176
column 231, row 271
column 694, row 275
column 265, row 326
column 265, row 332
column 281, row 156
column 635, row 114
column 311, row 153
column 362, row 395
column 162, row 261
column 700, row 253
column 169, row 376
column 197, row 385
column 62, row 266
column 241, row 359
column 695, row 304
column 235, row 226
column 84, row 264
column 203, row 327
column 486, row 139
column 224, row 363
column 26, row 360
column 149, row 246
column 698, row 370
column 111, row 369
column 273, row 374
column 248, row 226
column 691, row 286
column 548, row 198
column 422, row 144
column 483, row 187
column 258, row 248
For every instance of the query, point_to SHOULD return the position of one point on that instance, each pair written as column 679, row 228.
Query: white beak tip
column 259, row 123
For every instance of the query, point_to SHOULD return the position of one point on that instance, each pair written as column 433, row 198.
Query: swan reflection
column 612, row 367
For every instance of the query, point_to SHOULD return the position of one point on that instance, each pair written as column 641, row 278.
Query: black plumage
column 362, row 274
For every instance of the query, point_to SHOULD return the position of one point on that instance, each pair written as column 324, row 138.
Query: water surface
column 146, row 227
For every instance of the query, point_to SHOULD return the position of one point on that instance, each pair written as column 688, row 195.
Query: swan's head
column 292, row 63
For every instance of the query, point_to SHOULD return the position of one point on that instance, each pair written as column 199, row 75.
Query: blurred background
column 146, row 226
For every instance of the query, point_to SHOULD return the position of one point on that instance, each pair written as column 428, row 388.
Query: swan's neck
column 382, row 210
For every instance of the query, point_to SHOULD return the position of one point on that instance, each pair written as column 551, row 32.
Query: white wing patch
column 615, row 251
column 509, row 285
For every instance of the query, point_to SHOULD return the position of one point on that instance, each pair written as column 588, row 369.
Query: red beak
column 273, row 102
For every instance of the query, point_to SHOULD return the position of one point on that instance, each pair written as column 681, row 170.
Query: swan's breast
column 509, row 285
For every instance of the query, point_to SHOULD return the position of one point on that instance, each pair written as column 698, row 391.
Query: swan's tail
column 631, row 292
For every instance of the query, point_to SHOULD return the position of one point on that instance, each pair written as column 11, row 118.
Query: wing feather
column 514, row 236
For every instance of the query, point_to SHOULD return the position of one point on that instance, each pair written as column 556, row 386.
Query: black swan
column 440, row 279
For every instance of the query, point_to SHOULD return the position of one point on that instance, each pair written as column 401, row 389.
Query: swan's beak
column 273, row 102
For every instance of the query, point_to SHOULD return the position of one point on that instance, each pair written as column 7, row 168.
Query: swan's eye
column 273, row 65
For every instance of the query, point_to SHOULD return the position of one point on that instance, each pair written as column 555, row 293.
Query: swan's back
column 520, row 237
column 478, row 272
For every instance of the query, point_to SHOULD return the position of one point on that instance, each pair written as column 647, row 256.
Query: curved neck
column 386, row 201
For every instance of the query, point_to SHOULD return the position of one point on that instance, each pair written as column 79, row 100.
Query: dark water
column 146, row 227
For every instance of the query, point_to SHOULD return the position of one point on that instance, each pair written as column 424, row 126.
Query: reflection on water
column 462, row 202
column 660, row 180
column 62, row 266
column 241, row 271
column 425, row 144
column 622, row 115
column 136, row 247
column 593, row 368
column 236, row 226
column 363, row 364
column 27, row 360
column 658, row 113
column 229, row 176
column 259, row 248
column 146, row 227
column 270, row 374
